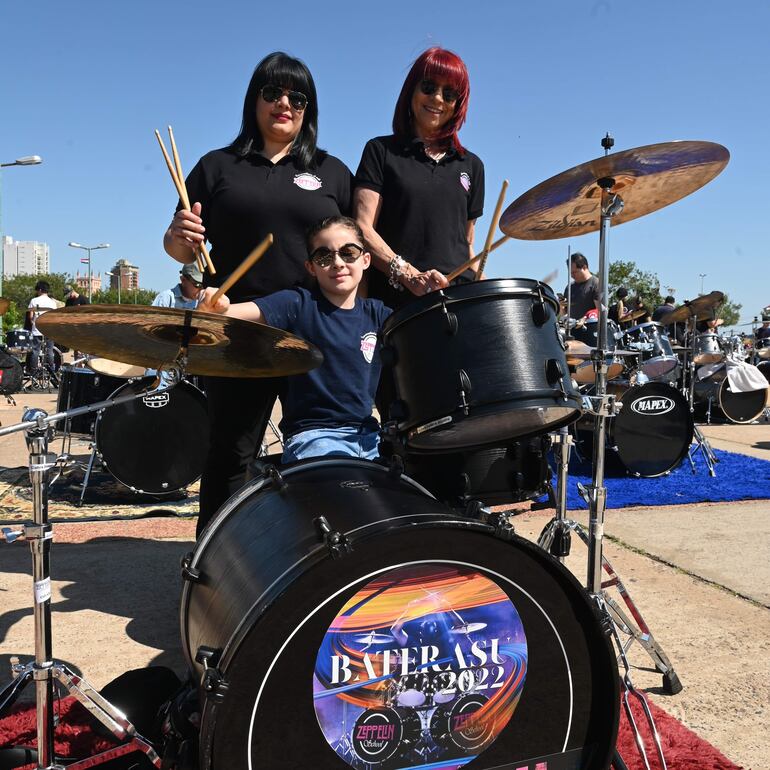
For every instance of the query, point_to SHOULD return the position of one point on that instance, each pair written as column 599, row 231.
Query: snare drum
column 157, row 443
column 706, row 349
column 478, row 364
column 650, row 341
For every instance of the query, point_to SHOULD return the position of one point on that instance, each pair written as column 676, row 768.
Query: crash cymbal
column 647, row 178
column 698, row 306
column 151, row 336
column 577, row 352
column 4, row 305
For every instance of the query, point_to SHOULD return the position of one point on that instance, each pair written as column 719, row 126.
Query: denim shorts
column 320, row 442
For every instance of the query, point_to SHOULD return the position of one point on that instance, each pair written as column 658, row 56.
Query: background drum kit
column 481, row 377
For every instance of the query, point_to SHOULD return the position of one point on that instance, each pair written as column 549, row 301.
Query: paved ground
column 698, row 573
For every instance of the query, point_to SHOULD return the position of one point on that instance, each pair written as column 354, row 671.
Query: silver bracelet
column 397, row 265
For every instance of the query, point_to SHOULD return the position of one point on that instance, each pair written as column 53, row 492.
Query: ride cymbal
column 152, row 336
column 646, row 178
column 696, row 307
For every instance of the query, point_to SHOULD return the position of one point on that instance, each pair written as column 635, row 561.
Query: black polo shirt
column 244, row 199
column 426, row 204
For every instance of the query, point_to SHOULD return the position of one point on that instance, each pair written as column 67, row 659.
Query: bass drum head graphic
column 443, row 643
column 267, row 719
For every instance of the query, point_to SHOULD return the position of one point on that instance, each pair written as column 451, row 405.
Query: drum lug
column 554, row 374
column 336, row 542
column 214, row 685
column 539, row 308
column 449, row 318
column 501, row 524
column 272, row 474
column 465, row 391
column 189, row 573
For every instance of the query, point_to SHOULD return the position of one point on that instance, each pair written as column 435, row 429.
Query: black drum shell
column 740, row 408
column 499, row 335
column 647, row 445
column 261, row 565
column 80, row 387
column 495, row 475
column 154, row 449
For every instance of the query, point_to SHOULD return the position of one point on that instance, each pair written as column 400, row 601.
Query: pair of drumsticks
column 177, row 177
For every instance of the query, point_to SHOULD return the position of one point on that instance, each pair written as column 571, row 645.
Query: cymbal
column 647, row 179
column 577, row 352
column 697, row 306
column 5, row 303
column 633, row 315
column 151, row 336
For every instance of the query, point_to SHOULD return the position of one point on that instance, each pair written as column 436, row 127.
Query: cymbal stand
column 701, row 442
column 43, row 670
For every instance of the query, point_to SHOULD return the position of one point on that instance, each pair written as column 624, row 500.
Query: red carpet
column 682, row 749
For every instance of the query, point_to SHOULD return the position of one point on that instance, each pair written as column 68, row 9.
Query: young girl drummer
column 327, row 411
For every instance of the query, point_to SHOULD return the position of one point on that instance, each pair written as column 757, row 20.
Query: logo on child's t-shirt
column 308, row 181
column 465, row 181
column 368, row 345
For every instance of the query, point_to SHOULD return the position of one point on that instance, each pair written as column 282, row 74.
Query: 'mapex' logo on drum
column 156, row 400
column 652, row 405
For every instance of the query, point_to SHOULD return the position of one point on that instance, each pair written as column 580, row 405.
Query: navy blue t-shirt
column 341, row 391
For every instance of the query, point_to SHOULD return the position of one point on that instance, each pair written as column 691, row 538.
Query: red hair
column 434, row 64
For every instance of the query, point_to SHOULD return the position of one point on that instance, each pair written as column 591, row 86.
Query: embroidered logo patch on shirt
column 465, row 181
column 368, row 345
column 308, row 181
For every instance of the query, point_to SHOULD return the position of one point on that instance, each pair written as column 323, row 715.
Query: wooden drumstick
column 465, row 265
column 243, row 267
column 492, row 227
column 181, row 191
column 186, row 199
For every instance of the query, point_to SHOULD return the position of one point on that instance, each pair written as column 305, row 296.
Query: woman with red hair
column 419, row 191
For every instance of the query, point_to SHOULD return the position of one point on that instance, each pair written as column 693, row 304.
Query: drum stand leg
column 44, row 671
column 556, row 537
column 87, row 476
column 702, row 444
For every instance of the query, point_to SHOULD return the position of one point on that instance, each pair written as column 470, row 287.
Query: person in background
column 584, row 288
column 618, row 309
column 419, row 191
column 763, row 332
column 72, row 298
column 38, row 305
column 272, row 178
column 185, row 294
column 663, row 310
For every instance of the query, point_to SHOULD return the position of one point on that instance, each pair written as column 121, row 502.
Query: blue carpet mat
column 738, row 478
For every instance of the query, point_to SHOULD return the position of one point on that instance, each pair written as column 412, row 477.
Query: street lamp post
column 27, row 160
column 702, row 276
column 113, row 275
column 89, row 249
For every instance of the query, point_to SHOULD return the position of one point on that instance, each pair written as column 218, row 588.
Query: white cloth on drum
column 744, row 377
column 709, row 370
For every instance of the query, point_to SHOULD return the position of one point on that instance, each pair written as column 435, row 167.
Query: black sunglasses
column 449, row 94
column 324, row 257
column 297, row 99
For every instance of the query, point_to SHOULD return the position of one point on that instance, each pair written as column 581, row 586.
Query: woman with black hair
column 419, row 191
column 271, row 179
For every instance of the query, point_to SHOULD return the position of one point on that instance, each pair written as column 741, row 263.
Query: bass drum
column 736, row 407
column 477, row 365
column 653, row 431
column 318, row 596
column 80, row 387
column 155, row 444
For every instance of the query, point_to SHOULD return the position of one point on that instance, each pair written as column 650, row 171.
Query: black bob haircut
column 280, row 69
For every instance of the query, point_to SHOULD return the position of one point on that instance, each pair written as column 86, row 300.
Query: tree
column 21, row 288
column 127, row 297
column 729, row 312
column 640, row 283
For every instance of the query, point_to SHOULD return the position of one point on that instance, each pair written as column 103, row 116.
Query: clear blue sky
column 85, row 84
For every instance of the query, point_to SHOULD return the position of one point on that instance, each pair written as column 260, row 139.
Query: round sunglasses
column 324, row 257
column 297, row 99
